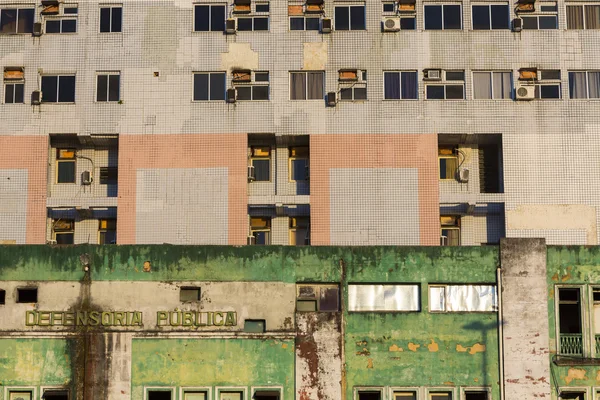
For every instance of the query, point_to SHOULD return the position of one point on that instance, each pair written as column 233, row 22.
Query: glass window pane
column 52, row 26
column 261, row 24
column 548, row 22
column 500, row 18
column 65, row 238
column 452, row 18
column 593, row 85
column 592, row 16
column 360, row 93
column 577, row 85
column 262, row 7
column 482, row 85
column 388, row 7
column 102, row 88
column 574, row 17
column 49, row 88
column 113, row 87
column 9, row 93
column 346, row 94
column 66, row 172
column 454, row 92
column 391, row 83
column 409, row 85
column 244, row 93
column 69, row 25
column 299, row 169
column 262, row 238
column 481, row 17
column 312, row 24
column 260, row 93
column 19, row 93
column 455, row 75
column 329, row 299
column 433, row 17
column 342, row 18
column 201, row 18
column 244, row 24
column 105, row 19
column 298, row 86
column 217, row 86
column 25, row 23
column 550, row 91
column 407, row 24
column 66, row 89
column 117, row 19
column 357, row 18
column 8, row 21
column 315, row 85
column 200, row 87
column 261, row 77
column 262, row 170
column 530, row 22
column 296, row 23
column 435, row 92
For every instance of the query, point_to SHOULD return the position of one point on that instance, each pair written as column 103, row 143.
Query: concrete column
column 525, row 319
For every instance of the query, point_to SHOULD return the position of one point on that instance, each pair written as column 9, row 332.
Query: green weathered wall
column 571, row 266
column 35, row 362
column 212, row 362
column 421, row 348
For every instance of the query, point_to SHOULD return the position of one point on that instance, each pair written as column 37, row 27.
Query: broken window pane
column 383, row 297
column 329, row 300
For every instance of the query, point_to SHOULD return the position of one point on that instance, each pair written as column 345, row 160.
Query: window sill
column 208, row 101
column 566, row 360
column 400, row 99
column 60, row 33
column 57, row 102
column 16, row 34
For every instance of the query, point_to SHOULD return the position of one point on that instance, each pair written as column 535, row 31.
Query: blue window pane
column 409, row 86
column 391, row 82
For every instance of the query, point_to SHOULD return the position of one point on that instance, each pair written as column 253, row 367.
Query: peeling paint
column 477, row 348
column 461, row 349
column 575, row 374
column 370, row 363
column 413, row 346
column 433, row 346
column 395, row 347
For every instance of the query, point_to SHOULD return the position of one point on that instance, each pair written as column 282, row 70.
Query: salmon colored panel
column 183, row 151
column 374, row 151
column 30, row 153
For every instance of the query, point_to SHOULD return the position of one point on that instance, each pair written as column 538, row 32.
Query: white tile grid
column 553, row 237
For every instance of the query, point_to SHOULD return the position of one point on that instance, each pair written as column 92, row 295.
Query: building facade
column 323, row 123
column 280, row 323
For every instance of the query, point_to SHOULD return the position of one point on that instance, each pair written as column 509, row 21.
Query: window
column 266, row 394
column 544, row 17
column 585, row 16
column 256, row 89
column 189, row 294
column 65, row 22
column 209, row 18
column 299, row 231
column 27, row 295
column 159, row 394
column 448, row 161
column 260, row 228
column 20, row 395
column 107, row 231
column 405, row 395
column 260, row 160
column 546, row 82
column 307, row 85
column 257, row 22
column 570, row 325
column 209, row 86
column 301, row 22
column 195, row 395
column 108, row 175
column 16, row 20
column 255, row 326
column 572, row 395
column 476, row 395
column 317, row 297
column 442, row 16
column 452, row 87
column 111, row 19
column 58, row 89
column 350, row 18
column 298, row 163
column 55, row 394
column 401, row 85
column 383, row 297
column 405, row 10
column 450, row 230
column 463, row 298
column 63, row 231
column 369, row 395
column 441, row 395
column 108, row 87
column 492, row 85
column 584, row 85
column 352, row 85
column 14, row 85
column 490, row 16
column 231, row 395
column 65, row 165
column 2, row 296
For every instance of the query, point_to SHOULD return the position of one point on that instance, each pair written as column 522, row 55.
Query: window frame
column 317, row 298
column 583, row 5
column 106, row 230
column 253, row 17
column 210, row 5
column 148, row 389
column 358, row 389
column 270, row 158
column 443, row 5
column 393, row 390
column 205, row 389
column 440, row 389
column 465, row 389
column 587, row 84
column 400, row 89
column 252, row 84
column 445, row 82
column 446, row 311
column 492, row 72
column 70, row 231
column 352, row 85
column 456, row 226
column 306, row 85
column 110, row 20
column 254, row 389
column 14, row 83
column 584, row 314
column 56, row 388
column 292, row 158
column 454, row 156
column 349, row 6
column 58, row 76
column 59, row 160
column 62, row 16
column 293, row 230
column 415, row 286
column 18, row 7
column 268, row 228
column 575, row 389
column 539, row 13
column 108, row 74
column 304, row 17
column 235, row 389
column 489, row 6
column 18, row 388
column 209, row 73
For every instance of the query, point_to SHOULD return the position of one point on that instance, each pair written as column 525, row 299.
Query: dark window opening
column 108, row 87
column 490, row 172
column 438, row 17
column 109, row 175
column 56, row 395
column 111, row 19
column 266, row 395
column 2, row 296
column 16, row 20
column 159, row 395
column 483, row 395
column 14, row 93
column 58, row 89
column 369, row 395
column 255, row 326
column 209, row 18
column 209, row 86
column 27, row 295
column 189, row 294
column 349, row 18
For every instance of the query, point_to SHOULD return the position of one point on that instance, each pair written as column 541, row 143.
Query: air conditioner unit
column 331, row 99
column 251, row 175
column 432, row 74
column 37, row 29
column 517, row 25
column 86, row 178
column 524, row 92
column 230, row 26
column 463, row 175
column 250, row 240
column 36, row 97
column 326, row 25
column 231, row 95
column 391, row 24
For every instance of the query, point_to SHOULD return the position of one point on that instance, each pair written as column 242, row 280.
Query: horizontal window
column 462, row 298
column 492, row 85
column 401, row 85
column 586, row 16
column 377, row 297
column 301, row 23
column 58, row 89
column 584, row 85
column 443, row 16
column 16, row 20
column 209, row 18
column 253, row 24
column 490, row 16
column 350, row 18
column 209, row 86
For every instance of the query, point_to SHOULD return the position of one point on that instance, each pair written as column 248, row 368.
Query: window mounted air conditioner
column 391, row 24
column 230, row 26
column 525, row 92
column 326, row 25
column 231, row 95
column 36, row 97
column 517, row 25
column 251, row 175
column 331, row 99
column 37, row 29
column 463, row 175
column 86, row 178
column 432, row 74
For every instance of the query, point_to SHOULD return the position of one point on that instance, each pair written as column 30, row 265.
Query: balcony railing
column 572, row 344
